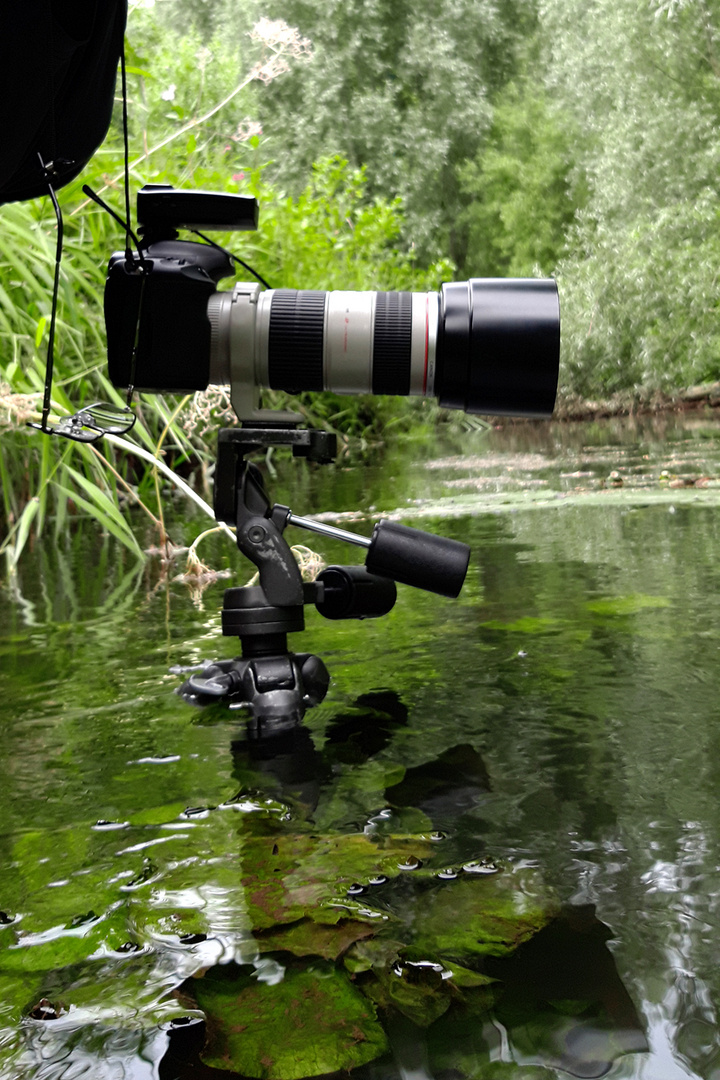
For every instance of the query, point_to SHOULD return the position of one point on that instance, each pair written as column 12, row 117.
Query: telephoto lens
column 484, row 346
column 488, row 345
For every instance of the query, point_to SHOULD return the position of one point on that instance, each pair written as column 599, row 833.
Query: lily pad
column 314, row 1021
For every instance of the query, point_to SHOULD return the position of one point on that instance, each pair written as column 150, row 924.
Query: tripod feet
column 276, row 689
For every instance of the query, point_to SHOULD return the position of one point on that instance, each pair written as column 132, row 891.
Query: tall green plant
column 524, row 186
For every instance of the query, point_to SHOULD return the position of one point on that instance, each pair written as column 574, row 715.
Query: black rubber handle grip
column 418, row 558
column 351, row 593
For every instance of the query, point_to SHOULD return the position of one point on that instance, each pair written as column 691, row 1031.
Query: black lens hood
column 499, row 346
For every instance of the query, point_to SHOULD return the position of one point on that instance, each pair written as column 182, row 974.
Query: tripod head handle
column 395, row 551
column 417, row 558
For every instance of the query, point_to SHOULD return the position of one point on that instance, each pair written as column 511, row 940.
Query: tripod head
column 274, row 684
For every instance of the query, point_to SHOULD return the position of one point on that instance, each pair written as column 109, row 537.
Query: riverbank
column 630, row 403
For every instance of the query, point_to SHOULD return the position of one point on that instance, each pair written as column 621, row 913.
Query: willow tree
column 402, row 88
column 642, row 82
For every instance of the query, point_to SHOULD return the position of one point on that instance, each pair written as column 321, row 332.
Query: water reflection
column 567, row 969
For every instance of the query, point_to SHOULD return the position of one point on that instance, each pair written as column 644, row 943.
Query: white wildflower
column 246, row 129
column 207, row 409
column 203, row 57
column 281, row 43
column 17, row 409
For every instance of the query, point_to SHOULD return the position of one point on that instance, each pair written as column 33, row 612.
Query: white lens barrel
column 423, row 359
column 343, row 341
column 348, row 341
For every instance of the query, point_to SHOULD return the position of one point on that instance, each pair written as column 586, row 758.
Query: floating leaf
column 288, row 877
column 528, row 624
column 312, row 1022
column 62, row 945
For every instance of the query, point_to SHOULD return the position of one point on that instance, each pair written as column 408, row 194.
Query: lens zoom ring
column 392, row 343
column 295, row 340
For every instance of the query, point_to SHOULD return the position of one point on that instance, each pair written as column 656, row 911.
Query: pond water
column 546, row 747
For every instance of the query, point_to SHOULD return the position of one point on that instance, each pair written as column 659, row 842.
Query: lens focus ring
column 392, row 340
column 295, row 343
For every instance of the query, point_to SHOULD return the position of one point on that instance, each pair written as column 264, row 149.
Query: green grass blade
column 22, row 532
column 117, row 528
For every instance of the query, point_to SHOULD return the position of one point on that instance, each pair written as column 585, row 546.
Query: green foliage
column 401, row 88
column 333, row 235
column 639, row 282
column 525, row 187
column 641, row 310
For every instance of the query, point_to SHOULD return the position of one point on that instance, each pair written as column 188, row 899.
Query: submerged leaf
column 377, row 953
column 488, row 915
column 460, row 768
column 309, row 938
column 419, row 987
column 312, row 1022
column 419, row 992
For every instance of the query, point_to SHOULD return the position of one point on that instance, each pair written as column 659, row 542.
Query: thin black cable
column 129, row 261
column 126, row 149
column 56, row 285
column 87, row 190
column 246, row 266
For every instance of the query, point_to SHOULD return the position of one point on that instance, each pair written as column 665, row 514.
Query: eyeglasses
column 91, row 423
